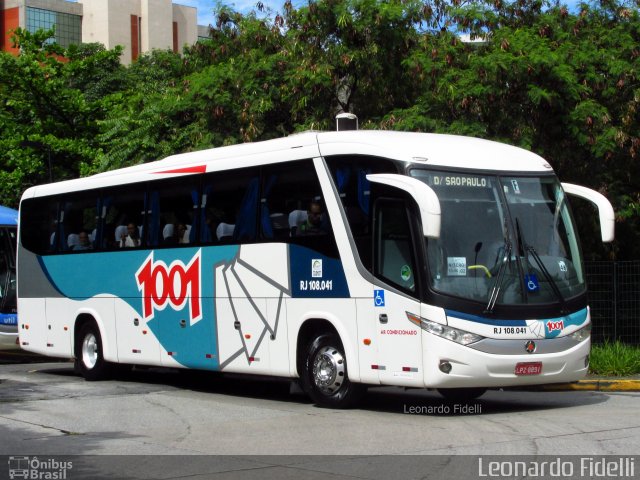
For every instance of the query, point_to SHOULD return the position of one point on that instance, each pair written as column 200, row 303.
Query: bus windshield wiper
column 499, row 279
column 528, row 249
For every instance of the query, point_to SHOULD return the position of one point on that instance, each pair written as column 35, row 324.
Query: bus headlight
column 582, row 334
column 453, row 334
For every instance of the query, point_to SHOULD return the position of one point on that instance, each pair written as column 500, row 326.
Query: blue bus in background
column 8, row 316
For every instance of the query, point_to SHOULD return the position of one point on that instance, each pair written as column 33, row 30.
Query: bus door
column 7, row 271
column 394, row 295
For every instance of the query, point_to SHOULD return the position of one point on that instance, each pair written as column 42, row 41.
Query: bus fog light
column 445, row 366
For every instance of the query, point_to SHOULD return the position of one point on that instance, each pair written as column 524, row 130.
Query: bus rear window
column 39, row 222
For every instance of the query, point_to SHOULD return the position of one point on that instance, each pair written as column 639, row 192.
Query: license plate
column 529, row 368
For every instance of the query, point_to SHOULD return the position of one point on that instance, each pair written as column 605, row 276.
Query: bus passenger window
column 39, row 220
column 124, row 208
column 288, row 193
column 79, row 220
column 229, row 207
column 292, row 208
column 170, row 218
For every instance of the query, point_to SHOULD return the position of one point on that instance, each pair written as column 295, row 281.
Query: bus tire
column 461, row 394
column 90, row 362
column 325, row 376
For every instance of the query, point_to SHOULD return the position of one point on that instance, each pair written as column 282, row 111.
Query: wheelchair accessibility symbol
column 378, row 298
column 532, row 282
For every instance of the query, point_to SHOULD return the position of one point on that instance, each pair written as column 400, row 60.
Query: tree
column 42, row 120
column 563, row 84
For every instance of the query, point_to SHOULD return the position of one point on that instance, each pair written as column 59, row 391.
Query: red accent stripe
column 208, row 355
column 171, row 353
column 251, row 359
column 136, row 351
column 196, row 169
column 374, row 367
column 406, row 369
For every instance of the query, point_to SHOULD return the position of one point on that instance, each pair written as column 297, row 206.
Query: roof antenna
column 346, row 121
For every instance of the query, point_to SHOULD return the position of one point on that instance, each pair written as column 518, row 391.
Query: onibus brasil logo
column 171, row 285
column 34, row 468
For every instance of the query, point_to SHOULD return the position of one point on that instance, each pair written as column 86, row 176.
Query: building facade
column 138, row 25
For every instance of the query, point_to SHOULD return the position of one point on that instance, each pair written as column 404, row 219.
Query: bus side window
column 229, row 207
column 292, row 209
column 79, row 221
column 286, row 194
column 124, row 207
column 39, row 220
column 349, row 176
column 394, row 261
column 173, row 205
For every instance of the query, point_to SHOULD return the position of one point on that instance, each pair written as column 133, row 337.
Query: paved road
column 45, row 409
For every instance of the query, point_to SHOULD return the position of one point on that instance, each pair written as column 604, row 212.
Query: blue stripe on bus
column 8, row 319
column 84, row 276
column 99, row 274
column 576, row 318
column 327, row 280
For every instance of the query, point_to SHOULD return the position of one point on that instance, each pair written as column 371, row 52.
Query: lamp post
column 40, row 146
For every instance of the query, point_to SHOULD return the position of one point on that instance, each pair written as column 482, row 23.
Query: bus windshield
column 504, row 239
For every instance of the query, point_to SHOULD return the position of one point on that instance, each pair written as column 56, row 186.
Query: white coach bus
column 342, row 259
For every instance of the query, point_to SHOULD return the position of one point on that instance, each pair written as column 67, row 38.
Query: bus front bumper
column 468, row 367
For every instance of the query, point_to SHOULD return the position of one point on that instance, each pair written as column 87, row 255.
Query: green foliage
column 42, row 119
column 614, row 359
column 564, row 84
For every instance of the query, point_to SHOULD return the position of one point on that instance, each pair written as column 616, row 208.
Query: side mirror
column 605, row 210
column 422, row 193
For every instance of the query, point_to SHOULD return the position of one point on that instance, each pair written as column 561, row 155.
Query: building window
column 68, row 26
column 175, row 37
column 135, row 37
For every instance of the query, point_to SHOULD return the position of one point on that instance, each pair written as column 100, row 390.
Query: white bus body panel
column 136, row 343
column 339, row 312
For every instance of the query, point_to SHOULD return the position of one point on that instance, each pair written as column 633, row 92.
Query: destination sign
column 461, row 181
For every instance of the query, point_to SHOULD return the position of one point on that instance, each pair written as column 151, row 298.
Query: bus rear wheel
column 325, row 377
column 89, row 357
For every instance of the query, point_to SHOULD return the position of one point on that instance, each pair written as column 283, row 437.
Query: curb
column 603, row 385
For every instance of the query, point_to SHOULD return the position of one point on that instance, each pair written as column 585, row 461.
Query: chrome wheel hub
column 328, row 370
column 90, row 351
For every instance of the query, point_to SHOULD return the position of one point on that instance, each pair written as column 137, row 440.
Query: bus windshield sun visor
column 424, row 196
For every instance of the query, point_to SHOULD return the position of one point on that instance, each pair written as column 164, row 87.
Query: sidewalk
column 596, row 383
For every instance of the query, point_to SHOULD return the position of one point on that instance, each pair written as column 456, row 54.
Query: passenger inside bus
column 313, row 224
column 83, row 242
column 131, row 238
column 183, row 232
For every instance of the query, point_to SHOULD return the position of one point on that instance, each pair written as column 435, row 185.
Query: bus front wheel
column 89, row 357
column 325, row 377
